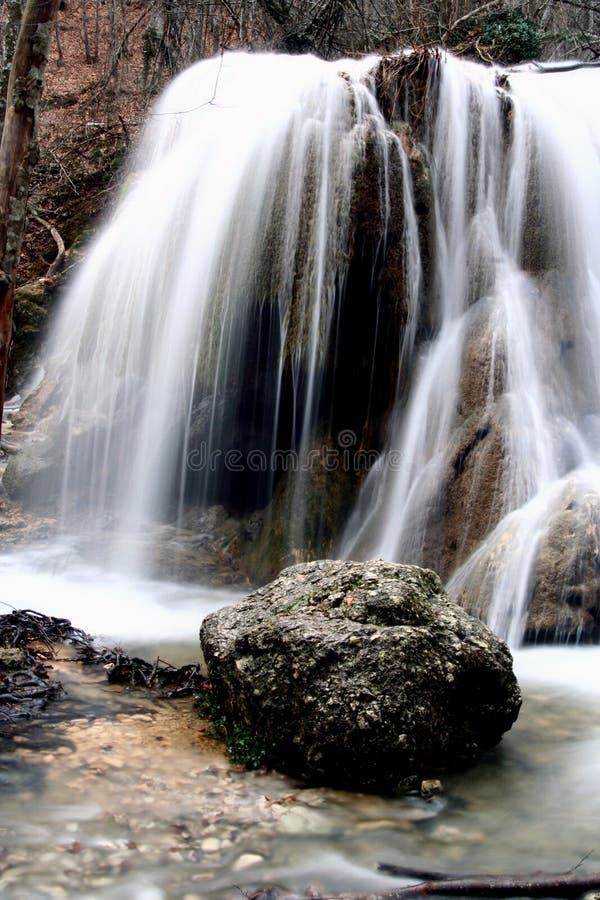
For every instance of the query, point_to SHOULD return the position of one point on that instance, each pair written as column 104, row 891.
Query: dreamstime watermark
column 345, row 457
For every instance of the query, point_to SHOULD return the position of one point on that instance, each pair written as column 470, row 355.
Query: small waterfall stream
column 196, row 332
column 513, row 357
column 307, row 265
column 301, row 271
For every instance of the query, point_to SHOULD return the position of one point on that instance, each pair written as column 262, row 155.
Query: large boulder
column 361, row 675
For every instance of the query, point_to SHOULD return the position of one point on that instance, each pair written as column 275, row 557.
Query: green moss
column 243, row 746
column 29, row 316
column 246, row 748
column 12, row 660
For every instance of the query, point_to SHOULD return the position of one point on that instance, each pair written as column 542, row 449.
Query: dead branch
column 503, row 886
column 59, row 261
column 538, row 885
column 475, row 12
column 26, row 689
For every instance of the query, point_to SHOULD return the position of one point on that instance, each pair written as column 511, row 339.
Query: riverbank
column 120, row 794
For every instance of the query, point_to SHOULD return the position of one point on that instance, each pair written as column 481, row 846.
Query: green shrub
column 511, row 36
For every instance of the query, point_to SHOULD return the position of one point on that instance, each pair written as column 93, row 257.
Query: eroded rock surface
column 361, row 674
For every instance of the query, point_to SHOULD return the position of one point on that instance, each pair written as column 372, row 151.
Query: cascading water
column 197, row 332
column 299, row 268
column 507, row 390
column 291, row 273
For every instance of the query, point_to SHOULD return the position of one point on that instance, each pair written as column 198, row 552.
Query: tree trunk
column 11, row 33
column 86, row 36
column 61, row 59
column 18, row 154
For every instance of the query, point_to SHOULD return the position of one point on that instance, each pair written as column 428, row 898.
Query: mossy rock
column 29, row 321
column 361, row 675
column 11, row 659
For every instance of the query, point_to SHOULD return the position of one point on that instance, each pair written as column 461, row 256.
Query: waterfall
column 512, row 365
column 197, row 332
column 316, row 261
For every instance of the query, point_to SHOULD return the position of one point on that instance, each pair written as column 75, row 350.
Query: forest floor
column 91, row 114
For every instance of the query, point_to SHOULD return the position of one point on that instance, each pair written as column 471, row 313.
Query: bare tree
column 11, row 33
column 18, row 154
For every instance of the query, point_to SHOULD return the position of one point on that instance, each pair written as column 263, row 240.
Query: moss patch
column 243, row 746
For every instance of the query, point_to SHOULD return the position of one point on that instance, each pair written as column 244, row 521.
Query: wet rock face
column 361, row 674
column 565, row 603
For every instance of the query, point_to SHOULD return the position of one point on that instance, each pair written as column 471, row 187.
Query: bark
column 86, row 36
column 96, row 32
column 11, row 33
column 61, row 59
column 18, row 154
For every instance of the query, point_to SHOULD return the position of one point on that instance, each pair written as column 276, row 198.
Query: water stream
column 518, row 287
column 116, row 794
column 210, row 319
column 269, row 287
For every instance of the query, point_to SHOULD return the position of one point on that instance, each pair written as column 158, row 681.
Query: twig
column 581, row 861
column 64, row 171
column 182, row 112
column 59, row 260
column 503, row 886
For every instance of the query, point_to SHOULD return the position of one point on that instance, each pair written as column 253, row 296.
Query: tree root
column 25, row 687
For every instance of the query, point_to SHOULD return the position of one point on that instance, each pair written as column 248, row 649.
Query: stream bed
column 118, row 794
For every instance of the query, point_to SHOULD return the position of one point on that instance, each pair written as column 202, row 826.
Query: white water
column 550, row 392
column 238, row 221
column 111, row 606
column 205, row 320
column 155, row 311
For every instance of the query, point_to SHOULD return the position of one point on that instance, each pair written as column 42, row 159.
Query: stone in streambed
column 360, row 674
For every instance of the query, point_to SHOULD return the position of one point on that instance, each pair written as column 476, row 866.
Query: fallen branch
column 25, row 687
column 503, row 886
column 59, row 261
column 23, row 628
column 441, row 884
column 135, row 672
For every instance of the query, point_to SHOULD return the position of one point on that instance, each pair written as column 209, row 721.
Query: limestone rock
column 361, row 674
column 565, row 601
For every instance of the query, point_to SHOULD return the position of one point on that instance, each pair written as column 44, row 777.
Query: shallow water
column 119, row 795
column 55, row 579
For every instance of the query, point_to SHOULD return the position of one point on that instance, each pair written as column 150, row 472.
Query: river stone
column 360, row 674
